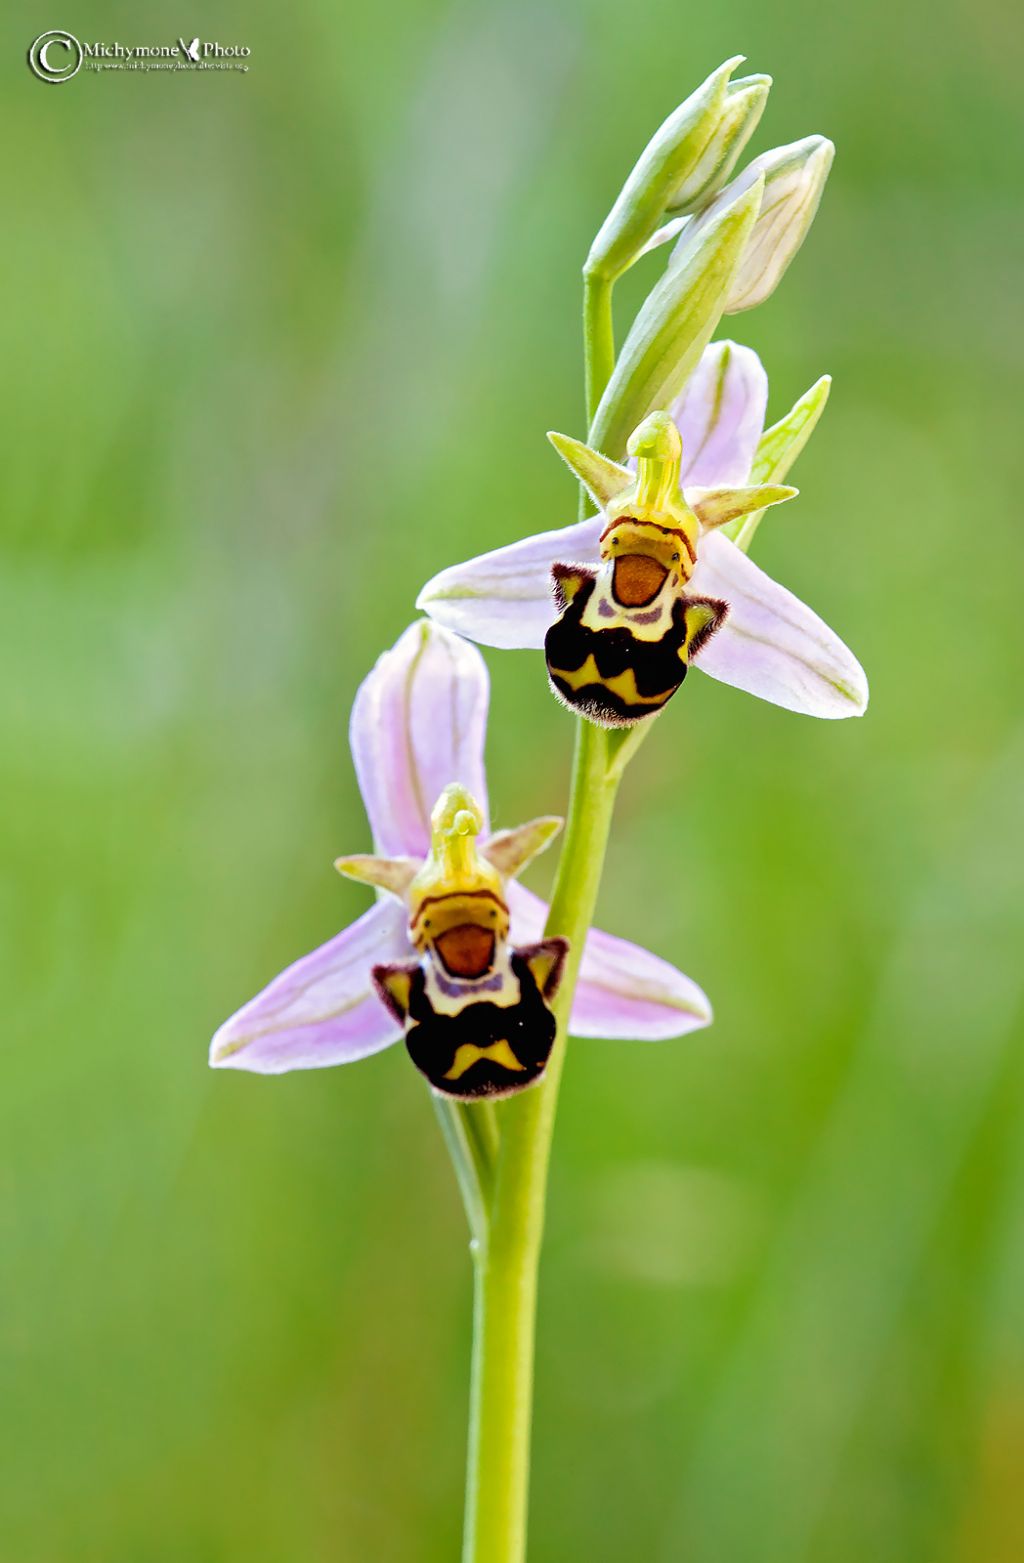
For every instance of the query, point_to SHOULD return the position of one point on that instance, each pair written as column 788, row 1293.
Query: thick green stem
column 506, row 1260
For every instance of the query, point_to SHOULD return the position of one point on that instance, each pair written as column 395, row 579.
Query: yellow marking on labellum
column 648, row 626
column 437, row 914
column 546, row 960
column 623, row 684
column 568, row 582
column 673, row 547
column 467, row 1055
column 700, row 618
column 397, row 984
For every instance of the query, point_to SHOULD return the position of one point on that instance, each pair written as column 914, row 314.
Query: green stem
column 599, row 338
column 507, row 1258
column 506, row 1253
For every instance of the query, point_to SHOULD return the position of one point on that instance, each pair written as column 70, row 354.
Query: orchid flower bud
column 685, row 156
column 794, row 178
column 742, row 109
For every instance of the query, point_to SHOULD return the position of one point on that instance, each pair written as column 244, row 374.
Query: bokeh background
column 276, row 347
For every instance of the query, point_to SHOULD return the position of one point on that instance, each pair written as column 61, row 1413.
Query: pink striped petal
column 773, row 645
column 720, row 415
column 623, row 991
column 418, row 723
column 503, row 598
column 323, row 1009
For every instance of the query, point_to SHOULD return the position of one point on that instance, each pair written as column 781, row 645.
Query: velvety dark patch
column 528, row 1027
column 658, row 666
column 603, row 706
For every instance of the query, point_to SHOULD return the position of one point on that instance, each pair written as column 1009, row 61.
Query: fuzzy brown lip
column 637, row 580
column 467, row 951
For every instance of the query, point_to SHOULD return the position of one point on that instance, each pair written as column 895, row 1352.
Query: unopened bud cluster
column 684, row 180
column 735, row 234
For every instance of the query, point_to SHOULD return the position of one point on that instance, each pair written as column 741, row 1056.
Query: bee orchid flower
column 752, row 632
column 417, row 735
column 475, row 1009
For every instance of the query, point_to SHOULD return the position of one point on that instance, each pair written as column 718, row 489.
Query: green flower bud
column 675, row 323
column 685, row 149
column 742, row 109
column 794, row 177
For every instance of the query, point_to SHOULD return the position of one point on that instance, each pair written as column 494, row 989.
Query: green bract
column 777, row 450
column 675, row 323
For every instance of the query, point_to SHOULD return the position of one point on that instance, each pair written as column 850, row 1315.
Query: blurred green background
column 782, row 1291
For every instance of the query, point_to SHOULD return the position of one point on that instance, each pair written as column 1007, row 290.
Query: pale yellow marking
column 399, row 985
column 649, row 630
column 451, row 998
column 466, row 1055
column 570, row 585
column 542, row 966
column 698, row 616
column 623, row 684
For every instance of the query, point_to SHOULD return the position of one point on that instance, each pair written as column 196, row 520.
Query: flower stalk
column 507, row 1256
column 599, row 335
column 661, row 352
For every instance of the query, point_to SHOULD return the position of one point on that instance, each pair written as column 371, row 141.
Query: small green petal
column 394, row 874
column 511, row 850
column 604, row 480
column 720, row 506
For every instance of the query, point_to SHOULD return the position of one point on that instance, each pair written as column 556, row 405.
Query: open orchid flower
column 767, row 642
column 626, row 632
column 418, row 725
column 475, row 1010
